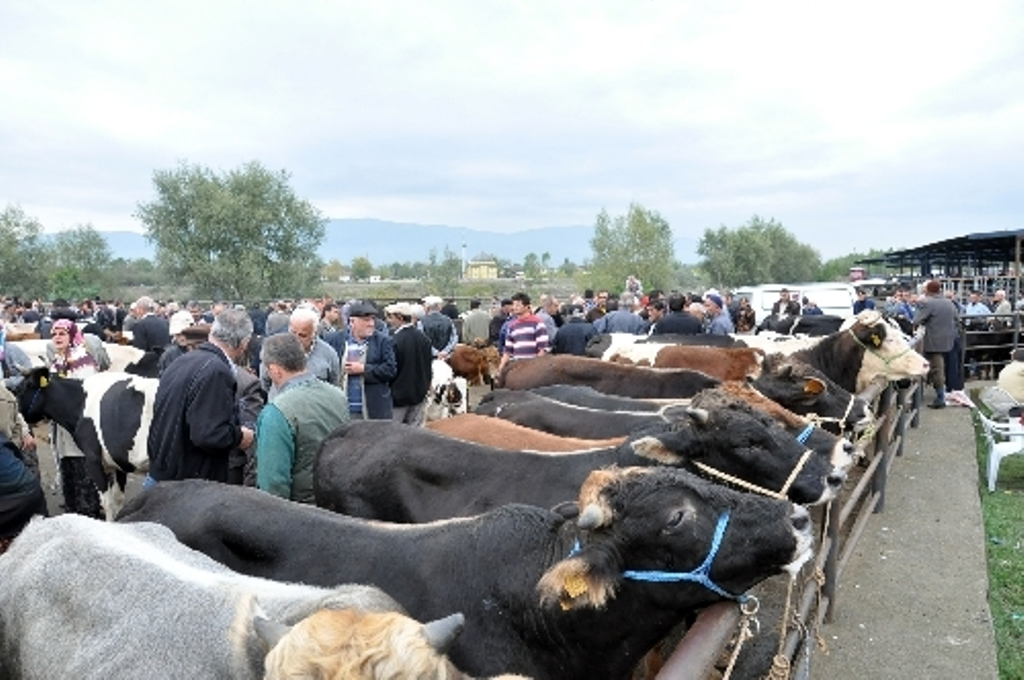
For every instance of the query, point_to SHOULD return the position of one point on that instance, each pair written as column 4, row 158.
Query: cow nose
column 836, row 479
column 800, row 518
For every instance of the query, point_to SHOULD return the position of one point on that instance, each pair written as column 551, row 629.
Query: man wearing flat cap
column 368, row 364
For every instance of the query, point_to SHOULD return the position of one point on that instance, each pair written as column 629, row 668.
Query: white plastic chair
column 1002, row 439
column 998, row 400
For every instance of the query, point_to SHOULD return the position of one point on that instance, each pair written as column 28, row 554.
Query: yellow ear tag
column 575, row 585
column 44, row 381
column 876, row 341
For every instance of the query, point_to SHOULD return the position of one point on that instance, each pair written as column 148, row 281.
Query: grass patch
column 1003, row 512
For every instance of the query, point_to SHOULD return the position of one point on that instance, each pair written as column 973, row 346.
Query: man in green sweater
column 291, row 427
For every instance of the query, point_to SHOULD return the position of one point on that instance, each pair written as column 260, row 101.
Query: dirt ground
column 912, row 600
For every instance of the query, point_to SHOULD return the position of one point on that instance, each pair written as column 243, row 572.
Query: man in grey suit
column 938, row 316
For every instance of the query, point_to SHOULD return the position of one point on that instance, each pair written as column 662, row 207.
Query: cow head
column 42, row 395
column 887, row 351
column 804, row 390
column 747, row 450
column 666, row 521
column 32, row 394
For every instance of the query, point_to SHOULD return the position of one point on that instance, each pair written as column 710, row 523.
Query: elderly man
column 413, row 358
column 438, row 328
column 150, row 332
column 195, row 421
column 369, row 364
column 292, row 426
column 719, row 321
column 322, row 359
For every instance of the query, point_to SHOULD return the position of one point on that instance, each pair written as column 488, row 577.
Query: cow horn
column 441, row 634
column 699, row 414
column 591, row 517
column 270, row 631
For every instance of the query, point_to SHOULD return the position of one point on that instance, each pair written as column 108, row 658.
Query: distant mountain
column 385, row 242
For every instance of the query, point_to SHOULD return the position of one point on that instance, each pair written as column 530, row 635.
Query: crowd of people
column 246, row 395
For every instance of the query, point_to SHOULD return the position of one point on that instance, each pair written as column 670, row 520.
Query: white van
column 832, row 298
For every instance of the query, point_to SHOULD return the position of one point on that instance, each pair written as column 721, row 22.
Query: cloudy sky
column 855, row 125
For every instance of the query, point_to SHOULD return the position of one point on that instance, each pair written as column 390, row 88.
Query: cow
column 581, row 395
column 89, row 599
column 108, row 414
column 478, row 365
column 568, row 420
column 380, row 470
column 543, row 596
column 795, row 385
column 448, row 395
column 869, row 346
column 777, row 343
column 724, row 363
column 624, row 381
column 504, row 434
column 814, row 325
column 605, row 345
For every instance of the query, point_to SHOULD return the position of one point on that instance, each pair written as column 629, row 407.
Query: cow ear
column 270, row 632
column 567, row 509
column 654, row 449
column 814, row 386
column 574, row 584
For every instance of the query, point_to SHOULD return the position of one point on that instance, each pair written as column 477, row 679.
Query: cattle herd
column 565, row 527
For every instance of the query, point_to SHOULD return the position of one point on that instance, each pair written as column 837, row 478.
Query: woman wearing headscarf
column 71, row 359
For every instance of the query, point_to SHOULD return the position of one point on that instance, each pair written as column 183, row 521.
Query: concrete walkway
column 912, row 600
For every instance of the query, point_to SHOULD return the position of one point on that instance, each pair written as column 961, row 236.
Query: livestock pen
column 811, row 604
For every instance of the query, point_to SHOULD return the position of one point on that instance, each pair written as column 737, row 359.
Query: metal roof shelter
column 989, row 259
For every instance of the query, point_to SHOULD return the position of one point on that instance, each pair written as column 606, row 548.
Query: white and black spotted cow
column 108, row 414
column 449, row 395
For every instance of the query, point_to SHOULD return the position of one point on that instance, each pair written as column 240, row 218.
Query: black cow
column 527, row 408
column 108, row 414
column 381, row 470
column 542, row 596
column 588, row 397
column 815, row 325
column 603, row 376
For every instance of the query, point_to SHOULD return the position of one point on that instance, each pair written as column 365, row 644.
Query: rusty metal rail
column 842, row 522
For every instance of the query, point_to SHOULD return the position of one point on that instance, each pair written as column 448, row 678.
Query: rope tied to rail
column 748, row 627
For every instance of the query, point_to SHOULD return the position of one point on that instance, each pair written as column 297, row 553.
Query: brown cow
column 724, row 363
column 477, row 365
column 503, row 434
column 607, row 377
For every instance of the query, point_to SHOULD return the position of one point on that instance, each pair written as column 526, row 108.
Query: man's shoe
column 937, row 404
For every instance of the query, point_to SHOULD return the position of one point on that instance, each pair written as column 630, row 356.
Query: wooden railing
column 842, row 521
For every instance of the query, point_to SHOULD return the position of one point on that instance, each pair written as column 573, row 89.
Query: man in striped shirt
column 527, row 336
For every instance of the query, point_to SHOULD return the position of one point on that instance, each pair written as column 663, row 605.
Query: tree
column 362, row 268
column 567, row 268
column 80, row 264
column 333, row 270
column 443, row 276
column 531, row 266
column 24, row 257
column 242, row 234
column 758, row 252
column 637, row 243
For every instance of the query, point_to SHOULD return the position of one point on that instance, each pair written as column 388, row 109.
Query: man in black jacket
column 677, row 321
column 150, row 332
column 412, row 353
column 195, row 414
